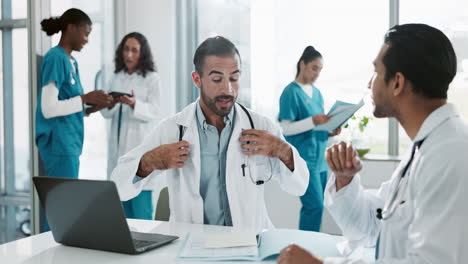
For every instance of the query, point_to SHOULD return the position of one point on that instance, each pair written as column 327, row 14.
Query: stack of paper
column 200, row 246
column 230, row 239
column 203, row 246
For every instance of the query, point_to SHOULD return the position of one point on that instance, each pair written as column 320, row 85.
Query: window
column 15, row 123
column 19, row 9
column 20, row 110
column 231, row 20
column 271, row 36
column 348, row 36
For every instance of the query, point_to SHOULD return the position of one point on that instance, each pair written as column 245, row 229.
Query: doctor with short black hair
column 420, row 214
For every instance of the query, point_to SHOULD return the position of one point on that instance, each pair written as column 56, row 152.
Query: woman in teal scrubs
column 60, row 112
column 301, row 108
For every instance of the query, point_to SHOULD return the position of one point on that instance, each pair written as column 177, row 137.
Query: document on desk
column 270, row 243
column 339, row 114
column 230, row 239
column 194, row 248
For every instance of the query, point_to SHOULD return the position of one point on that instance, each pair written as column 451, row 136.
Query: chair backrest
column 162, row 207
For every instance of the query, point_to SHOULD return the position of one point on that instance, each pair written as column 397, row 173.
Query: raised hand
column 260, row 142
column 164, row 157
column 343, row 161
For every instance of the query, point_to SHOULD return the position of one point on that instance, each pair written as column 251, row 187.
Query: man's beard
column 211, row 103
column 381, row 111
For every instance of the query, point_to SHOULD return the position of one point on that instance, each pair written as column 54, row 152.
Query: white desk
column 42, row 248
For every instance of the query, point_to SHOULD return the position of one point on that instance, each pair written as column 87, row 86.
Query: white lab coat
column 246, row 200
column 431, row 226
column 135, row 123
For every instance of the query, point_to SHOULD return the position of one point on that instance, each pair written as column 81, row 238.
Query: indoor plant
column 356, row 126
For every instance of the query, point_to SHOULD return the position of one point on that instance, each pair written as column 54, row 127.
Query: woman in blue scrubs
column 60, row 111
column 301, row 108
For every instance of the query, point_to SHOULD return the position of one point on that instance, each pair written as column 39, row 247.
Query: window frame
column 10, row 198
column 393, row 135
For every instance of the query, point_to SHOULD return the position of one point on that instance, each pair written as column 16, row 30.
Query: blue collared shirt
column 213, row 149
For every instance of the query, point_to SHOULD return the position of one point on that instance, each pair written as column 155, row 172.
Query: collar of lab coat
column 435, row 119
column 187, row 115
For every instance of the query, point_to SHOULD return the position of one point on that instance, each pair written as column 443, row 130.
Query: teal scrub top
column 62, row 135
column 296, row 105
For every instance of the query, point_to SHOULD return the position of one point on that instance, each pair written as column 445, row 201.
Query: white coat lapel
column 241, row 122
column 234, row 152
column 236, row 186
column 190, row 134
column 192, row 165
column 191, row 170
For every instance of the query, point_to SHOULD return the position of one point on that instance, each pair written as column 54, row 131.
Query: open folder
column 270, row 243
column 339, row 114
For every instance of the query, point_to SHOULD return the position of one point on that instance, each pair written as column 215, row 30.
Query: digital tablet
column 117, row 94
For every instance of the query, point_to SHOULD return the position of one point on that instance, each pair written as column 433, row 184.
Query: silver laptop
column 89, row 214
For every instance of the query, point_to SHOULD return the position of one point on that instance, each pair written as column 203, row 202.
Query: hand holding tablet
column 118, row 94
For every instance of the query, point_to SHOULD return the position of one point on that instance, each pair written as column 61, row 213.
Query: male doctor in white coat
column 420, row 215
column 215, row 155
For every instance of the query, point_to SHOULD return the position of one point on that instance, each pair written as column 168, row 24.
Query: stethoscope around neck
column 245, row 165
column 389, row 210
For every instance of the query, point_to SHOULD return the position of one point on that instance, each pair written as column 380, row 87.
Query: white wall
column 155, row 20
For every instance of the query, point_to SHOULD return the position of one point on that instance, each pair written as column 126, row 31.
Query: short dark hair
column 145, row 63
column 215, row 46
column 72, row 16
column 309, row 54
column 424, row 55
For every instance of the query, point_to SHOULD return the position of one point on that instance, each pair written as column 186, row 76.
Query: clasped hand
column 343, row 161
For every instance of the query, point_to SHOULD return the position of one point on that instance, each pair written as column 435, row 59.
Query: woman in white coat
column 135, row 87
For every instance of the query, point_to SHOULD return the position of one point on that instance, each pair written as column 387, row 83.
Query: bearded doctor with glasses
column 215, row 155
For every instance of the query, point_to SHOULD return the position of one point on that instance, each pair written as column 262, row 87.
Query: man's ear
column 196, row 79
column 399, row 84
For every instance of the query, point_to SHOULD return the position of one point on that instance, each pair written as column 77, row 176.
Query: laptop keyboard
column 143, row 243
